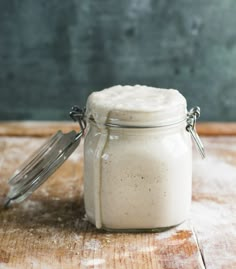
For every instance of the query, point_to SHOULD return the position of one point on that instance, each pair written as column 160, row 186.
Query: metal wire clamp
column 192, row 117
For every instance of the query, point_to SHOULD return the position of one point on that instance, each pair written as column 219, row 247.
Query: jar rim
column 137, row 105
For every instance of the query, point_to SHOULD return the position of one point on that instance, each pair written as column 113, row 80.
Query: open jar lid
column 45, row 161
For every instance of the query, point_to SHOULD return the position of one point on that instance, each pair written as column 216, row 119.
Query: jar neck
column 140, row 129
column 189, row 120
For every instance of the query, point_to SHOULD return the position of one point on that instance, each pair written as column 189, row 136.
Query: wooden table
column 50, row 229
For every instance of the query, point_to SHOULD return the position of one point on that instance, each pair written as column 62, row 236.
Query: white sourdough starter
column 137, row 178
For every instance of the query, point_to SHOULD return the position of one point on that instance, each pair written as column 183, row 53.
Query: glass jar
column 138, row 173
column 137, row 158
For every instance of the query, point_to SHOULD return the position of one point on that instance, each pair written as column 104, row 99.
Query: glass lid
column 45, row 161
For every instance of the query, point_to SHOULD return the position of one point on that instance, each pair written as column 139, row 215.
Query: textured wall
column 54, row 53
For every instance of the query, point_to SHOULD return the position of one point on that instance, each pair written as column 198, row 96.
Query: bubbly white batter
column 136, row 105
column 137, row 178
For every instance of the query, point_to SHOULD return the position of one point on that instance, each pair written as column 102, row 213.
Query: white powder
column 92, row 262
column 92, row 244
column 214, row 206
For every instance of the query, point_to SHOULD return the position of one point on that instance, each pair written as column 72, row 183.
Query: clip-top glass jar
column 138, row 158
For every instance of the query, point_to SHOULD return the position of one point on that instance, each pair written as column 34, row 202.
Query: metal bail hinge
column 192, row 117
column 78, row 114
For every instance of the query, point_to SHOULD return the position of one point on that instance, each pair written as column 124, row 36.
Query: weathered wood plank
column 36, row 129
column 214, row 202
column 50, row 230
column 216, row 128
column 50, row 227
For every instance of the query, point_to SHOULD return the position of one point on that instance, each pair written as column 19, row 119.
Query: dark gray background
column 54, row 53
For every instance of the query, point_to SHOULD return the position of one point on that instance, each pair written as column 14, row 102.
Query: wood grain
column 216, row 128
column 50, row 229
column 36, row 129
column 214, row 202
column 43, row 129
